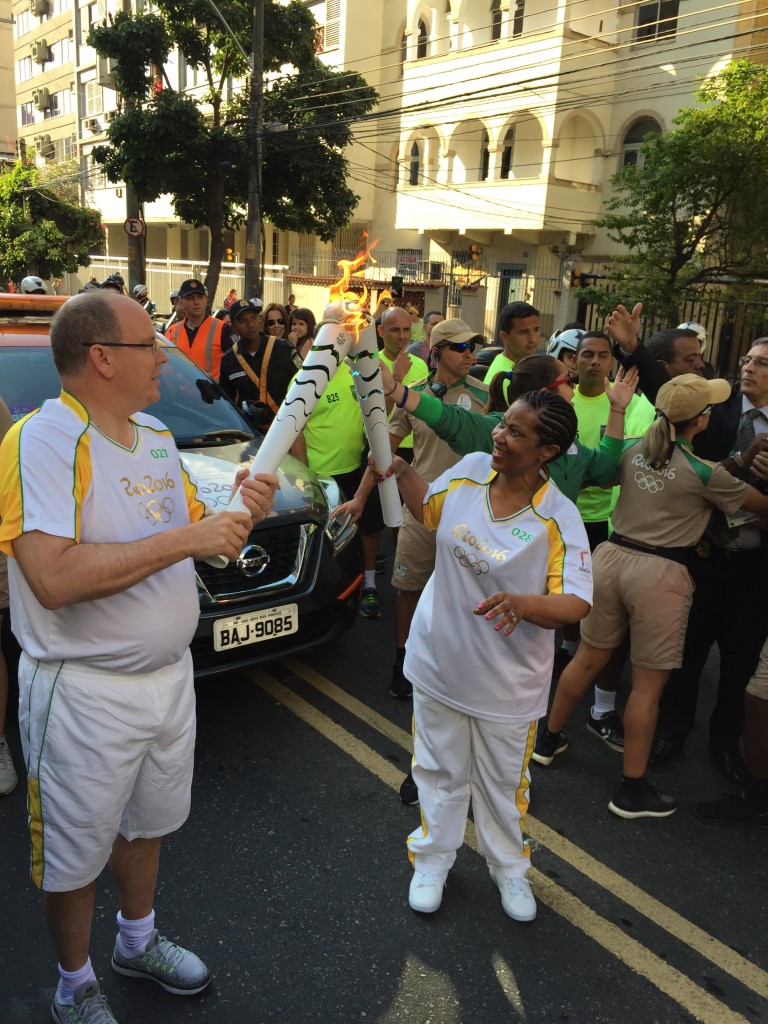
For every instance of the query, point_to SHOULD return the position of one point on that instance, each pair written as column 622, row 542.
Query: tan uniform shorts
column 758, row 684
column 644, row 595
column 415, row 555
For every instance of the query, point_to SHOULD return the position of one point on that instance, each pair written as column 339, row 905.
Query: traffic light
column 575, row 279
column 229, row 255
column 397, row 287
column 475, row 253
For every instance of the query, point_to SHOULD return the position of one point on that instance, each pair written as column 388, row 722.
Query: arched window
column 630, row 149
column 422, row 40
column 485, row 157
column 496, row 19
column 506, row 153
column 517, row 18
column 404, row 49
column 413, row 177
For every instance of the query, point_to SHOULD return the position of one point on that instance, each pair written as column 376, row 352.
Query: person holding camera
column 258, row 369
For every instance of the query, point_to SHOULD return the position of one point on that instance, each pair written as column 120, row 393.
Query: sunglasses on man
column 460, row 346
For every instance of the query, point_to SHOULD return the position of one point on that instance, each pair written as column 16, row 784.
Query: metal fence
column 165, row 276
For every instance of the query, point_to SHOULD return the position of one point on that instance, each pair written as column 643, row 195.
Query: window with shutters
column 94, row 99
column 332, row 24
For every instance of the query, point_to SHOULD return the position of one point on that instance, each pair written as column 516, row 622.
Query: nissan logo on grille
column 253, row 560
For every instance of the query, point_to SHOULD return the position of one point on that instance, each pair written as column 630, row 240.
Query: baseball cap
column 140, row 289
column 243, row 306
column 684, row 397
column 448, row 331
column 192, row 287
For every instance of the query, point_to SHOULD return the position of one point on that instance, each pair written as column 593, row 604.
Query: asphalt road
column 290, row 878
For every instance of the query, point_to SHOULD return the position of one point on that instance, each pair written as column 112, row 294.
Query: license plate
column 253, row 627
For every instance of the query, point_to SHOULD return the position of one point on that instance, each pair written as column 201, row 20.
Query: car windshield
column 196, row 411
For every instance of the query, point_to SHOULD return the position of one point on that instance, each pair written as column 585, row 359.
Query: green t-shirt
column 596, row 504
column 334, row 432
column 501, row 364
column 418, row 371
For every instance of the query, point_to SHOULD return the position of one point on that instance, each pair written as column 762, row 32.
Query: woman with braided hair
column 512, row 564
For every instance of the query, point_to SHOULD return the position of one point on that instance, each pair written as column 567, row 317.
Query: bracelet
column 739, row 460
column 391, row 390
column 404, row 399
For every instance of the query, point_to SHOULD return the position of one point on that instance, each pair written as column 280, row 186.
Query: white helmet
column 564, row 340
column 33, row 286
column 697, row 329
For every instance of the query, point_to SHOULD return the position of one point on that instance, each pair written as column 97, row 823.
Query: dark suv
column 297, row 581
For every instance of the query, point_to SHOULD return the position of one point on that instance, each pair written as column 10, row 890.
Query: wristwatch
column 737, row 458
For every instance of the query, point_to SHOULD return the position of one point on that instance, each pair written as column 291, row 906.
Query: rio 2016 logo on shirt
column 470, row 561
column 462, row 531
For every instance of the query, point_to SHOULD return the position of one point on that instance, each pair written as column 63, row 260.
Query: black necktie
column 746, row 433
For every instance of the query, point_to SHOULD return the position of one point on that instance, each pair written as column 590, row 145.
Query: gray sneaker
column 8, row 776
column 174, row 968
column 90, row 1007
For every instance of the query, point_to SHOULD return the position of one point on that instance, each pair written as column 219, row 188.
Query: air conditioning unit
column 43, row 145
column 41, row 52
column 109, row 115
column 38, row 8
column 105, row 71
column 92, row 125
column 41, row 98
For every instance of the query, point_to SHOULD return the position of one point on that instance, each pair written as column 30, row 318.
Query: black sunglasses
column 271, row 323
column 462, row 346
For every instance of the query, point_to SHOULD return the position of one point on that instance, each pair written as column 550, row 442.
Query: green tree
column 694, row 209
column 163, row 141
column 41, row 232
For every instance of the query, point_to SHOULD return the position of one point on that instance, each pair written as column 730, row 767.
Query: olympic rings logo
column 478, row 566
column 157, row 511
column 649, row 483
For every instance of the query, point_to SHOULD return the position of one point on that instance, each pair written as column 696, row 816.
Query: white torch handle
column 366, row 373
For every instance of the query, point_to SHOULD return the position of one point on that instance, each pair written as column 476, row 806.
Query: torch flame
column 355, row 318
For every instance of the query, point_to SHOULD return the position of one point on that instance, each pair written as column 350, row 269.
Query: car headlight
column 338, row 531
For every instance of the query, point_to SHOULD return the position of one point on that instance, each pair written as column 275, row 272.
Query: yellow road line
column 675, row 924
column 695, row 1000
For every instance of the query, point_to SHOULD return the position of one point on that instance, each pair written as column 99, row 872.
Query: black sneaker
column 409, row 791
column 369, row 604
column 663, row 750
column 548, row 746
column 400, row 687
column 731, row 810
column 608, row 729
column 649, row 803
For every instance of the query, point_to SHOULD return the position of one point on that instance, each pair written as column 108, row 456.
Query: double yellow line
column 699, row 1003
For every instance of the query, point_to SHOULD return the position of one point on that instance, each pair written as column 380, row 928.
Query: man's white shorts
column 105, row 753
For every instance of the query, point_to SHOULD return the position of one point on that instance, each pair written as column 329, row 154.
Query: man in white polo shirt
column 102, row 522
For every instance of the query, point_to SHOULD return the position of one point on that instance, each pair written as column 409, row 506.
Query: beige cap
column 684, row 397
column 448, row 331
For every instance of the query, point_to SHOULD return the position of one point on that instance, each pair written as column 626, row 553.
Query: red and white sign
column 134, row 226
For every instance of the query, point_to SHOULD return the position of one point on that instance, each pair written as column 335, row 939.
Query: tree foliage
column 40, row 231
column 694, row 209
column 164, row 141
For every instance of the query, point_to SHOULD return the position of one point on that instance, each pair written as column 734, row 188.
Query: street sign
column 134, row 226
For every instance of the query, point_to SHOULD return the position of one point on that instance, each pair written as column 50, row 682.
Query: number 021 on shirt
column 253, row 627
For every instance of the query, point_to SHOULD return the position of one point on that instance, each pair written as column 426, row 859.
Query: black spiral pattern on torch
column 327, row 348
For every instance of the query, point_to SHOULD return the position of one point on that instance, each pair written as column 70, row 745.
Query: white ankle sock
column 70, row 981
column 605, row 702
column 369, row 579
column 133, row 936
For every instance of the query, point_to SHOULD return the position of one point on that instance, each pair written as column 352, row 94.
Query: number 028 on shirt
column 253, row 627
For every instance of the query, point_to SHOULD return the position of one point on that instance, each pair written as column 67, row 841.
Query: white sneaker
column 516, row 896
column 426, row 891
column 8, row 776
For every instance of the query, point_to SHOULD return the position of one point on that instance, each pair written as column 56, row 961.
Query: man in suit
column 729, row 565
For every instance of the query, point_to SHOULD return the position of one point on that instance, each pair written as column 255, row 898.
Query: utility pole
column 253, row 239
